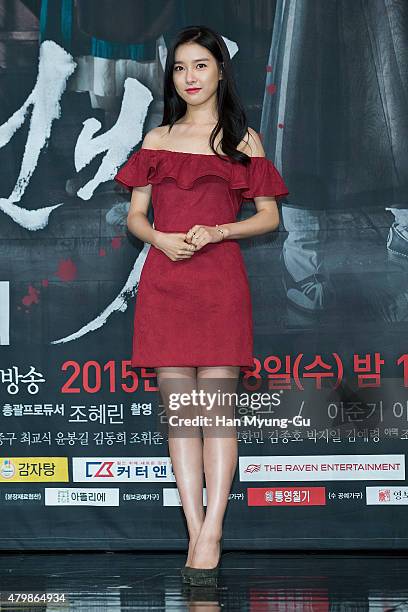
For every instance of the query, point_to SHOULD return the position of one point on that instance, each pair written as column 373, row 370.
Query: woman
column 193, row 317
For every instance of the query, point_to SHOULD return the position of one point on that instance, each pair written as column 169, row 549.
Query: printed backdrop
column 84, row 460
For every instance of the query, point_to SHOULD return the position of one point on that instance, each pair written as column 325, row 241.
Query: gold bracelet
column 221, row 231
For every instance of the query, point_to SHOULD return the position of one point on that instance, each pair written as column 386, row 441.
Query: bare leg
column 220, row 454
column 185, row 448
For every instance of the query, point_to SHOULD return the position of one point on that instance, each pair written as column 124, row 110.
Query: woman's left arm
column 266, row 219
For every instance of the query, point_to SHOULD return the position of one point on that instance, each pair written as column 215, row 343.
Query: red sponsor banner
column 287, row 496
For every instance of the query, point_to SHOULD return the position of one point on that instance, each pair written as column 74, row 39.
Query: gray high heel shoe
column 205, row 576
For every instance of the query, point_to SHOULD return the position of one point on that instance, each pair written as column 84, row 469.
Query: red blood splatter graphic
column 269, row 68
column 102, row 252
column 271, row 88
column 44, row 282
column 281, row 125
column 67, row 270
column 116, row 242
column 32, row 297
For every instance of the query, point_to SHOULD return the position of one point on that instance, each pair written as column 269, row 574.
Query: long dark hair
column 231, row 115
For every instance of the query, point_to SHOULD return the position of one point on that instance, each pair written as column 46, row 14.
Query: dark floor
column 248, row 581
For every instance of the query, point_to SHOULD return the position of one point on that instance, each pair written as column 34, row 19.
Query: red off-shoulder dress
column 196, row 311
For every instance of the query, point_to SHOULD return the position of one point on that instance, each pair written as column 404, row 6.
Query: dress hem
column 190, row 365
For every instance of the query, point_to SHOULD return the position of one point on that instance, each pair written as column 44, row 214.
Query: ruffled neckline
column 186, row 168
column 154, row 166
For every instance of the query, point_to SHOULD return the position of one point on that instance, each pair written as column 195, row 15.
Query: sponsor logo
column 81, row 497
column 387, row 496
column 287, row 496
column 34, row 469
column 252, row 468
column 322, row 467
column 7, row 469
column 122, row 469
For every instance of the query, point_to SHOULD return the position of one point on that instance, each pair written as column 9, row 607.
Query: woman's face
column 195, row 68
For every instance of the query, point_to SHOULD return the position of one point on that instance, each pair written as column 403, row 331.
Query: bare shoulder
column 154, row 138
column 252, row 144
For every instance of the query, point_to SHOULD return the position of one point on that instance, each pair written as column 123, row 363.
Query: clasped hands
column 182, row 246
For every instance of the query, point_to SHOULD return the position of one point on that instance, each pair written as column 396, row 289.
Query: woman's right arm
column 137, row 221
